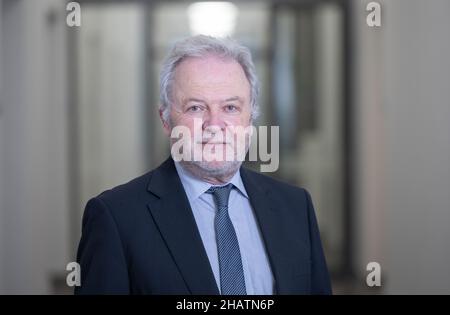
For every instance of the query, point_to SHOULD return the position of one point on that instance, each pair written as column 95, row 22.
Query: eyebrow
column 234, row 98
column 194, row 100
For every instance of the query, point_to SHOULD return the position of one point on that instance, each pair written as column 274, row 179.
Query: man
column 208, row 225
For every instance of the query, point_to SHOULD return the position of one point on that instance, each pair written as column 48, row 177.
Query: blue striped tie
column 232, row 281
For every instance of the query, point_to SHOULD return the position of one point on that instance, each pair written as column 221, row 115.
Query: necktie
column 232, row 281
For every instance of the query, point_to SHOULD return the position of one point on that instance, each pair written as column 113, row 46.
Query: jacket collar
column 171, row 211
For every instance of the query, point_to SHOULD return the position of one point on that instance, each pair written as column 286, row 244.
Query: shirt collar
column 195, row 187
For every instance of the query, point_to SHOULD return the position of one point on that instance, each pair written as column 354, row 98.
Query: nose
column 213, row 120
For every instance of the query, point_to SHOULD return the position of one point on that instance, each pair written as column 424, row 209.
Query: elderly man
column 203, row 225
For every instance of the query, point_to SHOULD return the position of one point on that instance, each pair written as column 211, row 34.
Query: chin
column 217, row 168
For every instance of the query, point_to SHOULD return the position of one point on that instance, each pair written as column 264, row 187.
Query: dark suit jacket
column 141, row 238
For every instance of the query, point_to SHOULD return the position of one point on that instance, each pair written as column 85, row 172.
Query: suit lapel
column 172, row 214
column 276, row 238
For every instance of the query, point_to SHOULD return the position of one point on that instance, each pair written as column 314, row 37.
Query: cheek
column 241, row 120
column 191, row 124
column 246, row 116
column 182, row 120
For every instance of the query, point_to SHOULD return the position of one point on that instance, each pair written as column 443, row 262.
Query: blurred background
column 364, row 116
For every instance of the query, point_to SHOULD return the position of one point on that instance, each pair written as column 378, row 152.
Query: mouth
column 214, row 143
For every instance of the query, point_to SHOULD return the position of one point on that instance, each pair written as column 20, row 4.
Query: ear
column 165, row 123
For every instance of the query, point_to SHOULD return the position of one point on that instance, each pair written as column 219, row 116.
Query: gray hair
column 201, row 46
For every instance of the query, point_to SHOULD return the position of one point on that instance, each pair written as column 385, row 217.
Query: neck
column 212, row 177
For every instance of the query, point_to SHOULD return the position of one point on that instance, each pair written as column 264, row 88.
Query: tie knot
column 221, row 194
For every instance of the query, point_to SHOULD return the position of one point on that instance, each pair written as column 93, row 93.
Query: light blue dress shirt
column 258, row 275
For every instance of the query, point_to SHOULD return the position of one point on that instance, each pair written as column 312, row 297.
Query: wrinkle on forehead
column 211, row 78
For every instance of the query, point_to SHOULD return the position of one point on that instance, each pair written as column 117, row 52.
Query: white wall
column 2, row 241
column 417, row 84
column 368, row 138
column 35, row 240
column 33, row 146
column 111, row 109
column 402, row 101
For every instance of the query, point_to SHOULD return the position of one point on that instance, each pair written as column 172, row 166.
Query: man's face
column 214, row 93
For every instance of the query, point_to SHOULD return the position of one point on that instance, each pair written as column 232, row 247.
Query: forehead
column 211, row 74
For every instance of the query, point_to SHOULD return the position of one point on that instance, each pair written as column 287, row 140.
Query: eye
column 230, row 108
column 194, row 109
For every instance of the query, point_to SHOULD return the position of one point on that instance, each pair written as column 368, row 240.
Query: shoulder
column 293, row 204
column 122, row 203
column 126, row 191
column 278, row 190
